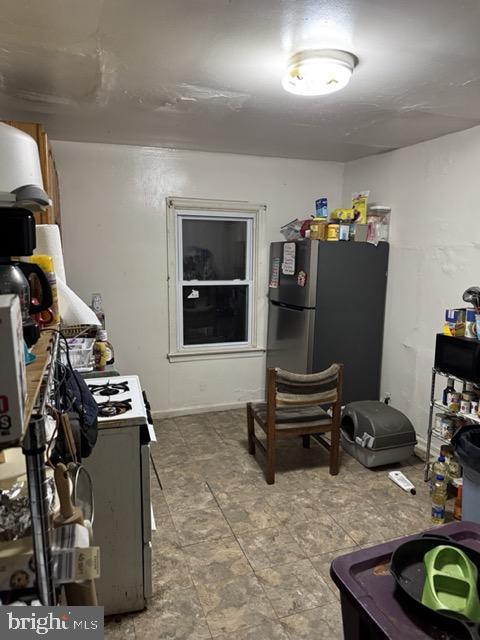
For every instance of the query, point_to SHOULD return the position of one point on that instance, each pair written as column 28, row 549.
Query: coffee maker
column 18, row 238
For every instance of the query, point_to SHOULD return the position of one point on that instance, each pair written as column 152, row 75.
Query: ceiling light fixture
column 318, row 72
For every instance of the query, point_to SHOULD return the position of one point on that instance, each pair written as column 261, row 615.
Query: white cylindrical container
column 19, row 160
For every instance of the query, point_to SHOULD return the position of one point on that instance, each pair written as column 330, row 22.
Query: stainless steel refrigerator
column 327, row 304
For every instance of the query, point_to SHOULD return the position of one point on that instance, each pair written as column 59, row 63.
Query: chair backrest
column 296, row 389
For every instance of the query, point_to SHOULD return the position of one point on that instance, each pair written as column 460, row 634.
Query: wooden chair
column 294, row 408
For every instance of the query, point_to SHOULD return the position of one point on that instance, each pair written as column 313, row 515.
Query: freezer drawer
column 290, row 338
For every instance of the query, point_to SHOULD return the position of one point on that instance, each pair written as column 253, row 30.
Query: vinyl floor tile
column 174, row 615
column 218, row 561
column 267, row 547
column 320, row 536
column 249, row 516
column 235, row 604
column 200, row 525
column 322, row 623
column 267, row 631
column 294, row 587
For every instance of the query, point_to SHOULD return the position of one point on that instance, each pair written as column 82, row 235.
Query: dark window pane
column 213, row 314
column 214, row 249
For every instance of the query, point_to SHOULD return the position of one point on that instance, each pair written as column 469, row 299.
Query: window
column 214, row 287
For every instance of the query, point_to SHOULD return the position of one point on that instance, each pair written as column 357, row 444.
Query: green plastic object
column 451, row 583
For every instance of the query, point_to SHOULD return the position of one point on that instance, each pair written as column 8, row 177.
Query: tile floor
column 236, row 559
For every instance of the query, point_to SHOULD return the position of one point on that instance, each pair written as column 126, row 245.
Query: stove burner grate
column 109, row 389
column 114, row 408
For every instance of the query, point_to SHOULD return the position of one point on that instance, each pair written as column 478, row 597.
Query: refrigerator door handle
column 292, row 307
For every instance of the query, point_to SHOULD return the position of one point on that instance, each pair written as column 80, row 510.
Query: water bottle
column 439, row 498
column 440, row 467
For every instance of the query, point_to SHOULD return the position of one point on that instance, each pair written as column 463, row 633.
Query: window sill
column 216, row 354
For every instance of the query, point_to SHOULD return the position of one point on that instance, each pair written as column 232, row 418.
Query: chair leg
column 270, row 472
column 334, row 451
column 306, row 442
column 251, row 430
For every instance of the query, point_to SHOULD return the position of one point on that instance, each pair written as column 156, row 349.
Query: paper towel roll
column 73, row 309
column 50, row 244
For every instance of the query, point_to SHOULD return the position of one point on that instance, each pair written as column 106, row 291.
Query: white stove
column 120, row 401
column 120, row 471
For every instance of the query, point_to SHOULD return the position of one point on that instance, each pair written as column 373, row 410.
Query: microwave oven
column 458, row 356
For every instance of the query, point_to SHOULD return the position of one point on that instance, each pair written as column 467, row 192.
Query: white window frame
column 192, row 208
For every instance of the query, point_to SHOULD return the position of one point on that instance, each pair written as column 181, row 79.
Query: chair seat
column 290, row 417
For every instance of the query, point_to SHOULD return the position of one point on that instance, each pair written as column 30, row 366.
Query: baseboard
column 188, row 411
column 421, row 448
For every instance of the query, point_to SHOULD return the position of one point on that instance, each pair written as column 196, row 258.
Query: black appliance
column 327, row 304
column 14, row 279
column 17, row 232
column 18, row 238
column 458, row 356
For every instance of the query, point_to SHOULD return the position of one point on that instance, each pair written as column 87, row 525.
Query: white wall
column 434, row 191
column 114, row 235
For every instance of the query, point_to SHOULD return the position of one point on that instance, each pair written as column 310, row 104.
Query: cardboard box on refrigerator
column 13, row 388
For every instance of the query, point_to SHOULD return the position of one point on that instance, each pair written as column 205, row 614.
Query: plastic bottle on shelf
column 105, row 346
column 450, row 388
column 453, row 467
column 440, row 467
column 100, row 353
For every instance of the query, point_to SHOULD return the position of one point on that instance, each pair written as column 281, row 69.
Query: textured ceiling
column 205, row 74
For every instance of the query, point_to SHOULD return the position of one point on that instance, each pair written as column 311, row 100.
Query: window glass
column 215, row 314
column 214, row 249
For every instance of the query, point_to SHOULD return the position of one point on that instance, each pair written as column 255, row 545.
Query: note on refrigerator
column 288, row 264
column 274, row 274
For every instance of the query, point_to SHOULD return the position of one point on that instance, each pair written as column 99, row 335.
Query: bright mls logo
column 41, row 625
column 23, row 623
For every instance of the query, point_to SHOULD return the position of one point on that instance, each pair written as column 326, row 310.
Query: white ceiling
column 205, row 74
